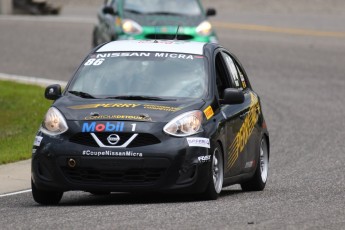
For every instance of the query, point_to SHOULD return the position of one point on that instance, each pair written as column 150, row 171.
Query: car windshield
column 184, row 7
column 141, row 75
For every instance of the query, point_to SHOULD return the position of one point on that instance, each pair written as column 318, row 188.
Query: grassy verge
column 22, row 108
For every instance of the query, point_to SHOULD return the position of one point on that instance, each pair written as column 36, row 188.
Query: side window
column 221, row 75
column 235, row 78
column 243, row 80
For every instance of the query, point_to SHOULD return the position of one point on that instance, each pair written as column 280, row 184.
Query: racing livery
column 155, row 115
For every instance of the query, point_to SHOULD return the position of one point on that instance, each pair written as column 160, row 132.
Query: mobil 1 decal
column 109, row 126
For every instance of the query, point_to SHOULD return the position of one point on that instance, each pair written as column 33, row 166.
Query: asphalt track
column 301, row 79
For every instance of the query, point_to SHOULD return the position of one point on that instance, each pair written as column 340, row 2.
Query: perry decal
column 245, row 131
column 146, row 106
column 208, row 112
column 93, row 106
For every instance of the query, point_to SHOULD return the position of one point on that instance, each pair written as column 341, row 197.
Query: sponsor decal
column 113, row 139
column 38, row 140
column 93, row 106
column 91, row 127
column 198, row 142
column 208, row 112
column 98, row 59
column 245, row 131
column 204, row 159
column 119, row 117
column 146, row 106
column 249, row 164
column 109, row 153
column 162, row 108
column 34, row 151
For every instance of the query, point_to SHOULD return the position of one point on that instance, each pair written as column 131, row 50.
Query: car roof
column 174, row 46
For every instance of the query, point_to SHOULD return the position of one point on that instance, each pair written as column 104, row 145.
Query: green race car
column 153, row 19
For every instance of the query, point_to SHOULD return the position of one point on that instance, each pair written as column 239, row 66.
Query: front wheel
column 258, row 181
column 45, row 197
column 216, row 175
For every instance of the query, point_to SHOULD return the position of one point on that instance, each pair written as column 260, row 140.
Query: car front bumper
column 58, row 164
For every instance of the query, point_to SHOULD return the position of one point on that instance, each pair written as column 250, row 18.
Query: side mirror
column 211, row 12
column 109, row 10
column 53, row 92
column 233, row 96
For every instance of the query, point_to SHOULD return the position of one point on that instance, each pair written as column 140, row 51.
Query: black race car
column 152, row 115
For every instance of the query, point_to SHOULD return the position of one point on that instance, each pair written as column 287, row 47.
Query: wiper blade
column 133, row 11
column 164, row 13
column 81, row 94
column 143, row 98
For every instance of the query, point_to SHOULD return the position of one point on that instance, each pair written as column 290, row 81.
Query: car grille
column 133, row 176
column 169, row 36
column 142, row 139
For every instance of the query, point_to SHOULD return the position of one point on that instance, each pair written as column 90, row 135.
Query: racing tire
column 45, row 197
column 258, row 181
column 216, row 175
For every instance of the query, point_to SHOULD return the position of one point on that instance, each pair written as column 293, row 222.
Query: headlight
column 54, row 123
column 131, row 27
column 205, row 28
column 185, row 124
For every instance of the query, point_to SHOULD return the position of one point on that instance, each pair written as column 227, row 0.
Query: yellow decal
column 93, row 106
column 208, row 112
column 151, row 107
column 245, row 131
column 119, row 117
column 162, row 108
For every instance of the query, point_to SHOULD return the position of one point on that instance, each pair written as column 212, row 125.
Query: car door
column 243, row 148
column 232, row 114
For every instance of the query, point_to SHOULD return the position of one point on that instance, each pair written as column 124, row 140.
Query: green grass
column 22, row 108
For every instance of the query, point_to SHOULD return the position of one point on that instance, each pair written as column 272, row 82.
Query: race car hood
column 131, row 110
column 166, row 20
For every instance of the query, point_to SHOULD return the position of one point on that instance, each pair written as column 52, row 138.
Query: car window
column 172, row 75
column 243, row 80
column 222, row 81
column 235, row 78
column 190, row 7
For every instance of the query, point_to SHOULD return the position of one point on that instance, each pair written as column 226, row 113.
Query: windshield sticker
column 208, row 112
column 109, row 153
column 148, row 106
column 94, row 61
column 245, row 132
column 198, row 142
column 119, row 117
column 98, row 59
